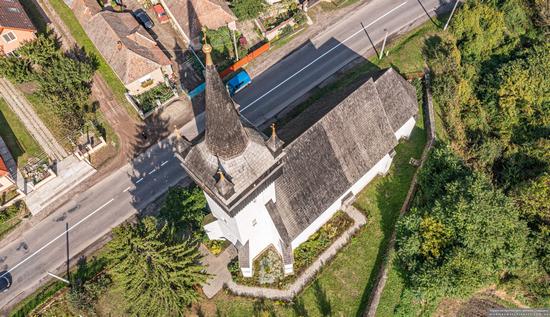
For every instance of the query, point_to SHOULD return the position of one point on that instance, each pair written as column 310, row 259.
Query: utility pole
column 67, row 238
column 383, row 45
column 233, row 28
column 452, row 12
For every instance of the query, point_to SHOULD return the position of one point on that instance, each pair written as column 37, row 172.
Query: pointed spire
column 225, row 135
column 223, row 185
column 274, row 144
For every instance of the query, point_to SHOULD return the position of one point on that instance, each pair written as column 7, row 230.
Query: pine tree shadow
column 322, row 299
column 299, row 308
column 263, row 307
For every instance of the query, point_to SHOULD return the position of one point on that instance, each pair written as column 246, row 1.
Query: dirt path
column 25, row 112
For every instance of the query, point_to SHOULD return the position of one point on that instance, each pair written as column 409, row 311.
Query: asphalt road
column 96, row 211
column 315, row 61
column 90, row 215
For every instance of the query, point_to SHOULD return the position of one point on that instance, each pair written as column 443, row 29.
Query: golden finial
column 222, row 175
column 177, row 132
column 273, row 132
column 206, row 48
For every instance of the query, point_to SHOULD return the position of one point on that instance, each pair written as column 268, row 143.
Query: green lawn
column 344, row 285
column 391, row 296
column 20, row 143
column 104, row 69
column 405, row 53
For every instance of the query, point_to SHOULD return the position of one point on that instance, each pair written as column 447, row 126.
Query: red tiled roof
column 12, row 15
column 3, row 168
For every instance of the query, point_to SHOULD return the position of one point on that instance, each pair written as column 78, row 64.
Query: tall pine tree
column 159, row 276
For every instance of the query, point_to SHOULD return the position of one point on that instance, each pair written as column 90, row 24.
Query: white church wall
column 213, row 230
column 406, row 129
column 255, row 224
column 227, row 224
column 380, row 168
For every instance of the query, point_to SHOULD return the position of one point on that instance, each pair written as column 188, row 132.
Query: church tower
column 236, row 166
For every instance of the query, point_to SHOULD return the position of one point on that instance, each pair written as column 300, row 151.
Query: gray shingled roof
column 320, row 165
column 324, row 162
column 225, row 135
column 244, row 170
column 398, row 97
column 12, row 15
column 126, row 46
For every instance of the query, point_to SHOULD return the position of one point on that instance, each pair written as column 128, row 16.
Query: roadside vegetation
column 11, row 216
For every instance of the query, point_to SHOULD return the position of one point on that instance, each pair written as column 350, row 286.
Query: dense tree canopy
column 159, row 275
column 461, row 232
column 482, row 213
column 64, row 78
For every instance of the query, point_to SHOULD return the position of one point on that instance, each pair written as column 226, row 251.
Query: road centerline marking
column 151, row 172
column 139, row 180
column 59, row 236
column 127, row 189
column 318, row 58
column 163, row 163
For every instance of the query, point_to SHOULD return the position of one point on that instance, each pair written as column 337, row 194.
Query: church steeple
column 225, row 135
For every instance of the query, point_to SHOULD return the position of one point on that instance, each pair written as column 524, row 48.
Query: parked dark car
column 5, row 281
column 144, row 19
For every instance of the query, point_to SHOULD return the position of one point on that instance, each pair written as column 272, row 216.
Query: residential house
column 127, row 47
column 6, row 181
column 16, row 27
column 263, row 193
column 9, row 192
column 190, row 16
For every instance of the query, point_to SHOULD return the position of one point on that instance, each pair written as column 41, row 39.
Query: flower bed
column 216, row 247
column 306, row 253
column 266, row 268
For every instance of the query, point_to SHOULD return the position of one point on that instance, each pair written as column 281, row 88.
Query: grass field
column 104, row 69
column 20, row 143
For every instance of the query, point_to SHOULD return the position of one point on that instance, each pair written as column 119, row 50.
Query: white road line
column 139, row 180
column 323, row 55
column 151, row 172
column 127, row 189
column 163, row 163
column 59, row 236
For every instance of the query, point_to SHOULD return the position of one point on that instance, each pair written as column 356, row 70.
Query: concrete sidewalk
column 70, row 173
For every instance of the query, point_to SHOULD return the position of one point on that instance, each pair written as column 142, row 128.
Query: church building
column 265, row 193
